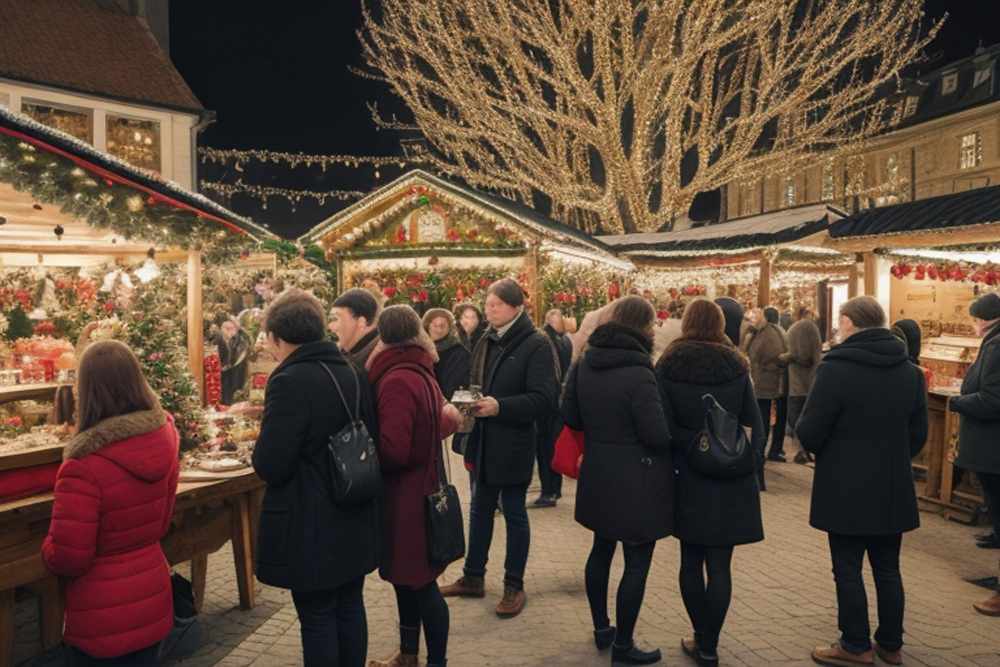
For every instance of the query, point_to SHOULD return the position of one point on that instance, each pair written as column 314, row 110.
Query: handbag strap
column 437, row 452
column 357, row 392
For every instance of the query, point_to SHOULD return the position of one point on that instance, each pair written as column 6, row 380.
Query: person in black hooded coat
column 625, row 492
column 733, row 312
column 865, row 419
column 712, row 515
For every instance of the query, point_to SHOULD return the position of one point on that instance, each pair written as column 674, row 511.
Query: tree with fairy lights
column 619, row 112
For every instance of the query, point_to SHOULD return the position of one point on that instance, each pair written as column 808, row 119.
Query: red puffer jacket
column 114, row 498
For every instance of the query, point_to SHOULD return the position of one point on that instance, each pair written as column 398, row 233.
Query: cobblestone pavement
column 783, row 603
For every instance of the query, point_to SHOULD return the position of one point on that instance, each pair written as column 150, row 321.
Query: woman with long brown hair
column 611, row 396
column 712, row 515
column 114, row 498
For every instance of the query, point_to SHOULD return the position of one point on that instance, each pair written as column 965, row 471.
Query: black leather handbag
column 354, row 467
column 721, row 449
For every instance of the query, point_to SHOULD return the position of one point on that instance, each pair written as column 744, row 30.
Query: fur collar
column 112, row 430
column 702, row 363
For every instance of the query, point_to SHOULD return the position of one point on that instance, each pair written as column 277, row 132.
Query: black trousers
column 423, row 607
column 631, row 589
column 481, row 520
column 548, row 432
column 781, row 420
column 991, row 492
column 706, row 604
column 795, row 407
column 334, row 626
column 147, row 656
column 848, row 553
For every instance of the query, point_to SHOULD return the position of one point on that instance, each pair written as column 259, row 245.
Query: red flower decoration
column 614, row 290
column 662, row 315
column 454, row 235
column 109, row 306
column 472, row 234
column 414, row 280
column 921, row 272
column 401, row 234
column 389, row 292
column 932, row 272
column 484, row 283
column 45, row 328
column 14, row 422
column 155, row 356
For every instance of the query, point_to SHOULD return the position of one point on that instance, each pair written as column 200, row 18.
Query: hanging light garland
column 263, row 193
column 240, row 157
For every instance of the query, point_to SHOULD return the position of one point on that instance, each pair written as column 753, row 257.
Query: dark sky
column 276, row 74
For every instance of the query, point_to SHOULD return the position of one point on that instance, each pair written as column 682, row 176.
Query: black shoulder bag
column 720, row 450
column 444, row 525
column 354, row 467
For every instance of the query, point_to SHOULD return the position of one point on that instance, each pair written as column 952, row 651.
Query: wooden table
column 948, row 490
column 207, row 516
column 26, row 392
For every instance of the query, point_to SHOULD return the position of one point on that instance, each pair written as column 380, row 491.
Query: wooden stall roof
column 503, row 210
column 737, row 237
column 19, row 127
column 961, row 218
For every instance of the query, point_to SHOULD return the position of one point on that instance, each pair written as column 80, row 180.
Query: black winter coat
column 452, row 368
column 305, row 541
column 626, row 486
column 564, row 349
column 979, row 407
column 711, row 512
column 501, row 449
column 865, row 419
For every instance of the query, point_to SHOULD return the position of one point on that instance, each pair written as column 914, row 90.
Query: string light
column 293, row 160
column 263, row 193
column 524, row 98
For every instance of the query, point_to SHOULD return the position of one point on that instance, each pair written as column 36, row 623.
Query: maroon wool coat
column 408, row 444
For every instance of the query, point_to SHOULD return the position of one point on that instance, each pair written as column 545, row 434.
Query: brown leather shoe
column 512, row 603
column 465, row 587
column 990, row 607
column 398, row 660
column 887, row 656
column 838, row 656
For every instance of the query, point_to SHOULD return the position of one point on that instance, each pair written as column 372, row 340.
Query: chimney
column 156, row 15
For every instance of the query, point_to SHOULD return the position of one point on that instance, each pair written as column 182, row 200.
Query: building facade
column 947, row 141
column 100, row 71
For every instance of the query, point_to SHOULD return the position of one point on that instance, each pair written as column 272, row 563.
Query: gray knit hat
column 986, row 307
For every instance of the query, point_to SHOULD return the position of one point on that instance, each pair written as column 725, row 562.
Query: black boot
column 409, row 640
column 604, row 637
column 633, row 655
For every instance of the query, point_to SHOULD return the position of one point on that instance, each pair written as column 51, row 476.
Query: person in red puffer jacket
column 114, row 499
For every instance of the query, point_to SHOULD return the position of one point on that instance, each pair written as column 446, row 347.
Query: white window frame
column 983, row 75
column 789, row 195
column 910, row 106
column 110, row 115
column 970, row 149
column 42, row 102
column 949, row 83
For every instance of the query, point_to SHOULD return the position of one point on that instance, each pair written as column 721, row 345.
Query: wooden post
column 243, row 549
column 852, row 279
column 764, row 281
column 195, row 326
column 871, row 274
column 338, row 263
column 531, row 263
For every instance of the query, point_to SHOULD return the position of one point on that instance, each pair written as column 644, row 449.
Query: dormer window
column 971, row 152
column 949, row 83
column 983, row 75
column 75, row 122
column 910, row 107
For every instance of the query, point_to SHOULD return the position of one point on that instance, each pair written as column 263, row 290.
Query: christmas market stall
column 775, row 259
column 927, row 260
column 430, row 242
column 92, row 248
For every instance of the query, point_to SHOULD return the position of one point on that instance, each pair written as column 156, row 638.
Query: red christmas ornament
column 459, row 294
column 484, row 283
column 108, row 182
column 472, row 234
column 932, row 272
column 401, row 234
column 389, row 292
column 921, row 272
column 662, row 315
column 454, row 235
column 614, row 290
column 151, row 201
column 957, row 273
column 109, row 306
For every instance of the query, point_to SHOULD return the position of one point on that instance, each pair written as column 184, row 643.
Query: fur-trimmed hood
column 702, row 363
column 147, row 434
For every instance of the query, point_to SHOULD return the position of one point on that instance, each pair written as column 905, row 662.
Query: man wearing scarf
column 513, row 364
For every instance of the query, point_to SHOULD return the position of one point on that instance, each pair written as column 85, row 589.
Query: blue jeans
column 481, row 517
column 334, row 626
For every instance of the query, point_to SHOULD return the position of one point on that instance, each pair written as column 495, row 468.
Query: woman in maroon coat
column 413, row 419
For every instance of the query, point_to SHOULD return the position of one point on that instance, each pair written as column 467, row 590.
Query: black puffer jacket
column 710, row 512
column 865, row 419
column 979, row 406
column 626, row 487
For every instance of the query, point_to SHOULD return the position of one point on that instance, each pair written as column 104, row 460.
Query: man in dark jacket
column 805, row 349
column 355, row 312
column 513, row 364
column 865, row 419
column 979, row 431
column 548, row 429
column 764, row 344
column 307, row 543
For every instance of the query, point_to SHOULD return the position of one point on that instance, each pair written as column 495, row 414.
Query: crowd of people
column 658, row 460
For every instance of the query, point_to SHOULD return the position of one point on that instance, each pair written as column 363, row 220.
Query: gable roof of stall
column 802, row 224
column 963, row 217
column 91, row 47
column 23, row 214
column 514, row 213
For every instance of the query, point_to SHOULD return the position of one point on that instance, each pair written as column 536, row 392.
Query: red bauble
column 389, row 292
column 921, row 272
column 932, row 272
column 109, row 306
column 662, row 315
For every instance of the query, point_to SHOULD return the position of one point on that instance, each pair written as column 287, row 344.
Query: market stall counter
column 207, row 516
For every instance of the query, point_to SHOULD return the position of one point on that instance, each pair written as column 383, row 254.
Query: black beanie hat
column 986, row 307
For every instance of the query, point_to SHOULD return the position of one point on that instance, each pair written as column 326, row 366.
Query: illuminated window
column 983, row 75
column 5, row 100
column 828, row 182
column 910, row 107
column 135, row 141
column 74, row 122
column 971, row 153
column 789, row 191
column 949, row 83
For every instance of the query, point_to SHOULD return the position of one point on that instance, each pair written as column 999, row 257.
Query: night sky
column 276, row 74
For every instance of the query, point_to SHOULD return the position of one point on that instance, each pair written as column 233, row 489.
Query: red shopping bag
column 569, row 449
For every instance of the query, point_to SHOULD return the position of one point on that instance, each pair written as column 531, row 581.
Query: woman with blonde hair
column 114, row 499
column 454, row 359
